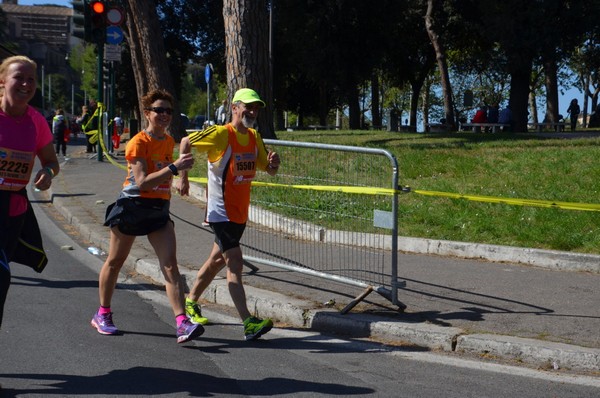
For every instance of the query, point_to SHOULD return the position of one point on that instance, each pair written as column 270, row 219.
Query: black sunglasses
column 160, row 109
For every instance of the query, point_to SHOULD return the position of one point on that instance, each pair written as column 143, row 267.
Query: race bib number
column 244, row 167
column 15, row 169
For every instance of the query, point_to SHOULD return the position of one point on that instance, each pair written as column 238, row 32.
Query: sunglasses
column 160, row 109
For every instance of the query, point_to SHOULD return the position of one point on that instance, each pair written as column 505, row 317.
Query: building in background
column 42, row 33
column 47, row 24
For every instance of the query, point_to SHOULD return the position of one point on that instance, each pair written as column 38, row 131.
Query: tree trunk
column 551, row 84
column 247, row 55
column 149, row 57
column 595, row 99
column 593, row 95
column 586, row 85
column 375, row 107
column 416, row 85
column 414, row 102
column 425, row 103
column 323, row 108
column 279, row 120
column 519, row 94
column 353, row 108
column 440, row 55
column 533, row 107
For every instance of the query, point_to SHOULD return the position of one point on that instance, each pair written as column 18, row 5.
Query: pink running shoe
column 104, row 324
column 188, row 331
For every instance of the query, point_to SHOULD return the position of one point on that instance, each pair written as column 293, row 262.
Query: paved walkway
column 522, row 313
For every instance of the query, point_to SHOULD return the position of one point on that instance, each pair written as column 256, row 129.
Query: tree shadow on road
column 148, row 381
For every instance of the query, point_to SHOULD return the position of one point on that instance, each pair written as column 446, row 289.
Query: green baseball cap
column 247, row 96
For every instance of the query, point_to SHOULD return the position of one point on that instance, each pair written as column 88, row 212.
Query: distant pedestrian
column 84, row 112
column 505, row 117
column 221, row 113
column 89, row 122
column 480, row 115
column 79, row 119
column 24, row 135
column 143, row 209
column 118, row 125
column 573, row 112
column 59, row 127
column 493, row 113
column 235, row 152
column 117, row 133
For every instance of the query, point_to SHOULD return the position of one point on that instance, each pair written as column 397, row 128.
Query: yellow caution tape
column 331, row 188
column 389, row 191
column 514, row 201
column 107, row 155
column 93, row 133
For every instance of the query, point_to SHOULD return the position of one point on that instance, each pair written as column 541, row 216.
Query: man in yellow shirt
column 235, row 151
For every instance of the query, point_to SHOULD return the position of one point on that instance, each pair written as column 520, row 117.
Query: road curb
column 552, row 259
column 546, row 354
column 303, row 314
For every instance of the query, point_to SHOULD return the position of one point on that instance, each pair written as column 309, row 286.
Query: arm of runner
column 183, row 185
column 273, row 163
column 50, row 167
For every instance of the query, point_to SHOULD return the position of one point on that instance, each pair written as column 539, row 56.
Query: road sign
column 208, row 73
column 114, row 35
column 114, row 16
column 112, row 52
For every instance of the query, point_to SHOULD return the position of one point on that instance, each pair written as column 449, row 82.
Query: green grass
column 506, row 166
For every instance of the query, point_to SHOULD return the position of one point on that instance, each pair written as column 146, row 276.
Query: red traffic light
column 98, row 21
column 97, row 7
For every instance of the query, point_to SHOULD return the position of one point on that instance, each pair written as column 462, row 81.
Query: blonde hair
column 15, row 59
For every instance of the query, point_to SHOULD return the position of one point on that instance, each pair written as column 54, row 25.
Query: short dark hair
column 154, row 95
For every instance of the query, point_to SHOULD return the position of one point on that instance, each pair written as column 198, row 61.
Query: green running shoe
column 255, row 327
column 193, row 311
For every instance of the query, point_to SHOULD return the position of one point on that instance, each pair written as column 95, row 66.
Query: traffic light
column 82, row 22
column 106, row 73
column 98, row 21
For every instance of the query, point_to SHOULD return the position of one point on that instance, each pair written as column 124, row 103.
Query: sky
column 564, row 100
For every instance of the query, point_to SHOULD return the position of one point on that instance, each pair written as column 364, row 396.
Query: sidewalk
column 540, row 317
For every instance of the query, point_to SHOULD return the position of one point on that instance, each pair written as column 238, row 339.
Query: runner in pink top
column 24, row 135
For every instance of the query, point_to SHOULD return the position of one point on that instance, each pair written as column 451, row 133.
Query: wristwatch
column 173, row 169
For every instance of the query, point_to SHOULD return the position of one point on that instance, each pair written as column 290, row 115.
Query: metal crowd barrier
column 331, row 212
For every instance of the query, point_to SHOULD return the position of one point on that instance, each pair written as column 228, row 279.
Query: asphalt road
column 48, row 348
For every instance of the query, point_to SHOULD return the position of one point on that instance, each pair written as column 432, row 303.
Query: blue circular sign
column 208, row 73
column 114, row 35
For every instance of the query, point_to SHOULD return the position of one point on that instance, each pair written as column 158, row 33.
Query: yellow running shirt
column 233, row 159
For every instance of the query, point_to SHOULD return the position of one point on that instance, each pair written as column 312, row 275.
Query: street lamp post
column 84, row 90
column 72, row 84
column 50, row 90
